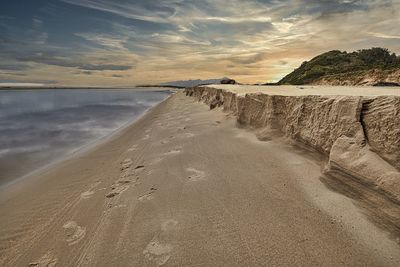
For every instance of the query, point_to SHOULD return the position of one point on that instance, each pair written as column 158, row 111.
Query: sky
column 131, row 42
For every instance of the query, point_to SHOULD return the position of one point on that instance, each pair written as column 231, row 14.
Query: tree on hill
column 337, row 62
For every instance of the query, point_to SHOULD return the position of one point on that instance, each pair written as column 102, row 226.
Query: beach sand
column 183, row 186
column 307, row 90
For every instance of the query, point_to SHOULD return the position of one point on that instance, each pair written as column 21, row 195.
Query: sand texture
column 184, row 186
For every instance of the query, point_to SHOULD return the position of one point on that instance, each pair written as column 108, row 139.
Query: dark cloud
column 85, row 72
column 104, row 67
column 13, row 67
column 65, row 62
column 247, row 59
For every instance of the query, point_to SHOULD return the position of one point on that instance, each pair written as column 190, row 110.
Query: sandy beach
column 183, row 186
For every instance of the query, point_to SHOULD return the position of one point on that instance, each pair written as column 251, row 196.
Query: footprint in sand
column 87, row 194
column 188, row 135
column 164, row 142
column 173, row 152
column 115, row 207
column 156, row 160
column 129, row 172
column 183, row 128
column 126, row 174
column 148, row 195
column 47, row 260
column 125, row 178
column 118, row 188
column 195, row 175
column 157, row 252
column 75, row 232
column 132, row 148
column 168, row 225
column 126, row 163
column 139, row 167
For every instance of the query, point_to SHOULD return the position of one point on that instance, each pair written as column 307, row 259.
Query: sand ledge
column 359, row 134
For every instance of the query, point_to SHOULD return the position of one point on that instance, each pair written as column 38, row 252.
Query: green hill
column 336, row 66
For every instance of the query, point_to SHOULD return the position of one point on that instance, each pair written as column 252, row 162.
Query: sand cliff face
column 360, row 135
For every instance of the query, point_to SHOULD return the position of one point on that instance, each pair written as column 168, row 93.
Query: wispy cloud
column 384, row 36
column 67, row 62
column 129, row 9
column 106, row 40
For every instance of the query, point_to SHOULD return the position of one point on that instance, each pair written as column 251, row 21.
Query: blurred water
column 40, row 126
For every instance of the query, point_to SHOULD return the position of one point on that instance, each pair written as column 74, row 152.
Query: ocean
column 38, row 127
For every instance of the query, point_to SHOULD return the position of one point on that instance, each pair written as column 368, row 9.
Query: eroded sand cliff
column 360, row 134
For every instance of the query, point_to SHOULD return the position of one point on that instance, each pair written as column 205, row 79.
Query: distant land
column 375, row 66
column 189, row 83
column 173, row 84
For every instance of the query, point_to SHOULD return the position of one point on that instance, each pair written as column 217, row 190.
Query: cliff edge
column 360, row 135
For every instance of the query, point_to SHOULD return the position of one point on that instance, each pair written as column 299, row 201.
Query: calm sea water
column 41, row 126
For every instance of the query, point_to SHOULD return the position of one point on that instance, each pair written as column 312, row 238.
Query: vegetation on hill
column 337, row 63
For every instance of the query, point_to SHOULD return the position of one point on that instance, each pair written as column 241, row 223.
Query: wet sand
column 184, row 187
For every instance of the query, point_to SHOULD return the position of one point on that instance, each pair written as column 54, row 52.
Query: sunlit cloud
column 385, row 36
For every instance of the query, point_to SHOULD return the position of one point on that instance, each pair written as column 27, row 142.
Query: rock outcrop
column 360, row 135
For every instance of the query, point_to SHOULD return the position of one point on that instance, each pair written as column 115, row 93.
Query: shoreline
column 86, row 148
column 183, row 186
column 137, row 88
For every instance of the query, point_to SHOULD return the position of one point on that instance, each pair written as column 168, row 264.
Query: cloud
column 70, row 63
column 103, row 67
column 384, row 36
column 13, row 66
column 108, row 41
column 130, row 9
column 161, row 40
